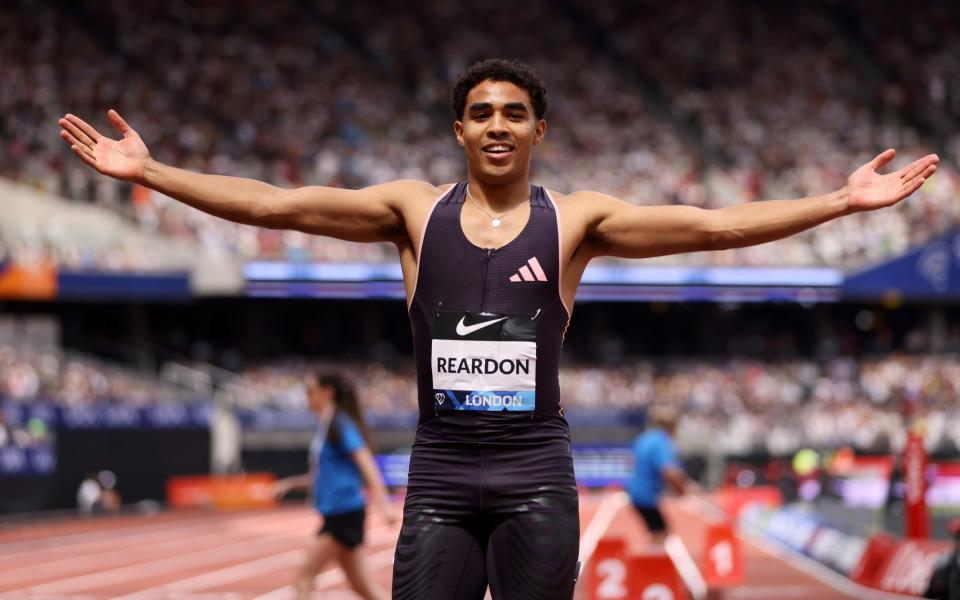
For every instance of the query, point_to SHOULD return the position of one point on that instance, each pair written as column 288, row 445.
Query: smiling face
column 498, row 131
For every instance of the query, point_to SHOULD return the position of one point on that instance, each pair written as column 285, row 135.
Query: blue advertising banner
column 39, row 459
column 100, row 285
column 168, row 415
column 931, row 272
column 594, row 466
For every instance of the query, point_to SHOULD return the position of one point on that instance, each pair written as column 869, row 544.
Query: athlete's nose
column 498, row 126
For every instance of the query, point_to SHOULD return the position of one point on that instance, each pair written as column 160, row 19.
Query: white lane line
column 148, row 543
column 252, row 568
column 608, row 509
column 336, row 576
column 76, row 542
column 330, row 578
column 249, row 569
column 140, row 570
column 333, row 576
column 686, row 566
column 58, row 541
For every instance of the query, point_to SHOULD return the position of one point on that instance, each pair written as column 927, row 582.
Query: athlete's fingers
column 882, row 158
column 81, row 138
column 85, row 127
column 923, row 176
column 70, row 139
column 918, row 166
column 119, row 123
column 84, row 156
column 912, row 186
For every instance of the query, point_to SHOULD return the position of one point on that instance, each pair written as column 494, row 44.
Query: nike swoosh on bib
column 468, row 329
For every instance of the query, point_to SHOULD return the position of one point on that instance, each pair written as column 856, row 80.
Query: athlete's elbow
column 719, row 233
column 275, row 210
column 725, row 240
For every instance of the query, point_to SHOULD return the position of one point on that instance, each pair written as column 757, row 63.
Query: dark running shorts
column 501, row 512
column 346, row 528
column 653, row 518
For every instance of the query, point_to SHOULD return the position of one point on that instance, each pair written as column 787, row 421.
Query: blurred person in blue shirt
column 341, row 462
column 656, row 464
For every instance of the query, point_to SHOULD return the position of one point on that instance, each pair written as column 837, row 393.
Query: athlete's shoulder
column 583, row 200
column 415, row 189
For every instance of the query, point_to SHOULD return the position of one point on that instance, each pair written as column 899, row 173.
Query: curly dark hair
column 500, row 69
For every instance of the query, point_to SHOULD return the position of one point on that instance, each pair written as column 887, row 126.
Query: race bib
column 484, row 361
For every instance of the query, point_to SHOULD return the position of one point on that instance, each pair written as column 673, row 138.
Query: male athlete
column 491, row 266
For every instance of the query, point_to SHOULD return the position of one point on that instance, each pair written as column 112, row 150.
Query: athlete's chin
column 495, row 174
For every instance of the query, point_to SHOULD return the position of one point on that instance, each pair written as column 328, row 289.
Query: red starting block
column 722, row 563
column 614, row 575
column 655, row 577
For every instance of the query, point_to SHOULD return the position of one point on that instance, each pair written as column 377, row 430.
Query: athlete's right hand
column 280, row 489
column 123, row 159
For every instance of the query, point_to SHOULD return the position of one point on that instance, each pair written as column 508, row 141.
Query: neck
column 500, row 197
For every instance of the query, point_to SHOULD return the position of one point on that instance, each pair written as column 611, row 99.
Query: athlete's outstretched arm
column 368, row 215
column 617, row 228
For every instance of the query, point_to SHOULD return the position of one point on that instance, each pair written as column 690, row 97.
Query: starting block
column 722, row 563
column 615, row 575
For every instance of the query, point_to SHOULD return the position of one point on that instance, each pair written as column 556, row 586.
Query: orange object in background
column 654, row 577
column 228, row 492
column 608, row 575
column 37, row 282
column 722, row 563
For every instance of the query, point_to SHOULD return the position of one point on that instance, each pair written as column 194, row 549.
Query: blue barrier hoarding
column 930, row 272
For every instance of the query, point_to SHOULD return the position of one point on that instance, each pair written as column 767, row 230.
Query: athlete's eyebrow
column 478, row 106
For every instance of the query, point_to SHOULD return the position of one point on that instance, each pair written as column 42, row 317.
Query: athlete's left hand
column 868, row 190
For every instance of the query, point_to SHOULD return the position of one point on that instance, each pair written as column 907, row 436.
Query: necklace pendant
column 496, row 223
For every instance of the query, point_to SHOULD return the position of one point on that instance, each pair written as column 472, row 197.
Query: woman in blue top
column 341, row 462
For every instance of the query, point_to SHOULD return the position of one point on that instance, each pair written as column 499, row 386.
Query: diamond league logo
column 440, row 396
column 934, row 266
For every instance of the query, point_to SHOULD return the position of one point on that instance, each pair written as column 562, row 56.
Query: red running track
column 254, row 554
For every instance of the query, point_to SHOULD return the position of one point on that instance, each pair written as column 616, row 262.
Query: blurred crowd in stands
column 734, row 406
column 706, row 105
column 28, row 374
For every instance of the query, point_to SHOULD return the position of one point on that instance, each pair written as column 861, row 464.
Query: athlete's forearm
column 759, row 222
column 233, row 198
column 371, row 477
column 298, row 482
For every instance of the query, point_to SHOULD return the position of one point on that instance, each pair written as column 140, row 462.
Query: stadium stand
column 338, row 98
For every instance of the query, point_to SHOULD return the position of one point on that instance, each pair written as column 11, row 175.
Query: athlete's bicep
column 625, row 230
column 371, row 214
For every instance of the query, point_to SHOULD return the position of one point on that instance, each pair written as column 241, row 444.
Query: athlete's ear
column 458, row 131
column 539, row 131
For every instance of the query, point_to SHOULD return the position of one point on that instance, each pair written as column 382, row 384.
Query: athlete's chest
column 483, row 232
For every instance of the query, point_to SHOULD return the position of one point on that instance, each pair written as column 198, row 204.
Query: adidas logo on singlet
column 532, row 271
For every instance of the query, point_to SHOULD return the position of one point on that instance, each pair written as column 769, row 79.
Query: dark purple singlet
column 491, row 495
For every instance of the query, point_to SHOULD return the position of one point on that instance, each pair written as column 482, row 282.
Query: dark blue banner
column 103, row 285
column 168, row 415
column 39, row 459
column 931, row 272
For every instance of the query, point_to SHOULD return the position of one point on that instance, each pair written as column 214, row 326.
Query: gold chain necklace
column 494, row 221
